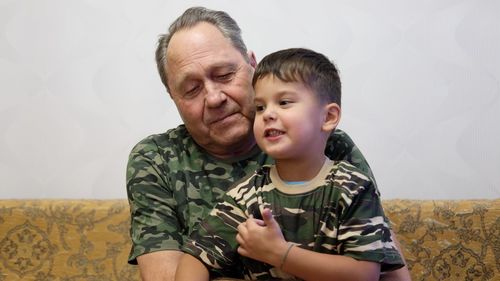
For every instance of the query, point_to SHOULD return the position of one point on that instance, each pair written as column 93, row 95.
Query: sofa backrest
column 89, row 239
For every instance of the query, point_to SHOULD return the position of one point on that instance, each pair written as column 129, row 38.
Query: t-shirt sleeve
column 154, row 224
column 364, row 231
column 213, row 241
column 340, row 147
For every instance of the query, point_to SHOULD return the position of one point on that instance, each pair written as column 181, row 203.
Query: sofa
column 72, row 240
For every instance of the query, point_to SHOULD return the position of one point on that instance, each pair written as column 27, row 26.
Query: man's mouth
column 216, row 120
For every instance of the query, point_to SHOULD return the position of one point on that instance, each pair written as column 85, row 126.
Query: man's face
column 210, row 83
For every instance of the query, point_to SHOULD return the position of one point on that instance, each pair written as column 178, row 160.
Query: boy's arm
column 400, row 274
column 191, row 269
column 267, row 245
column 310, row 265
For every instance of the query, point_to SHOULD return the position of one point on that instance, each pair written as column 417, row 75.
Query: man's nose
column 214, row 97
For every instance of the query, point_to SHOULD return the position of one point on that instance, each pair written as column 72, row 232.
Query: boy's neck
column 299, row 169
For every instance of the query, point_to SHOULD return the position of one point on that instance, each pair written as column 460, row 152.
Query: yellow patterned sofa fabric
column 67, row 240
column 448, row 240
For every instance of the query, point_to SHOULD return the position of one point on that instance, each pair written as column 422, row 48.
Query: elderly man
column 174, row 178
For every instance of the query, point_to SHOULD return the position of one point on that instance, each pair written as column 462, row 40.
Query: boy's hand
column 262, row 239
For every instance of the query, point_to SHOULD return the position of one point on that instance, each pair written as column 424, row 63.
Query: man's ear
column 331, row 117
column 251, row 59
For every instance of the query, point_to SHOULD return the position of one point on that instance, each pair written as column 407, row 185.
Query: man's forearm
column 159, row 266
column 191, row 269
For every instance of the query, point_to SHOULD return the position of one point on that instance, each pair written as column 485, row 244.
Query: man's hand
column 261, row 239
column 159, row 266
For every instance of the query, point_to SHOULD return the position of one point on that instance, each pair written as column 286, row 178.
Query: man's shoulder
column 340, row 140
column 171, row 136
column 173, row 140
column 340, row 146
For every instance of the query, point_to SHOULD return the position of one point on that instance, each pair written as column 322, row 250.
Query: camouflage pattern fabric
column 338, row 213
column 172, row 183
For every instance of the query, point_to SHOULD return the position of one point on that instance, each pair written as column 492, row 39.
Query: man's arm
column 155, row 231
column 159, row 265
column 191, row 269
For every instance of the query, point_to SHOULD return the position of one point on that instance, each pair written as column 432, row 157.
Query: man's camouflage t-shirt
column 338, row 212
column 172, row 183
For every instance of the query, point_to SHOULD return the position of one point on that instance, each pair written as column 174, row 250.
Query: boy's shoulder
column 258, row 178
column 350, row 178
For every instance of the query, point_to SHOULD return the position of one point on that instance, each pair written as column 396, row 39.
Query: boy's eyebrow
column 255, row 99
column 278, row 94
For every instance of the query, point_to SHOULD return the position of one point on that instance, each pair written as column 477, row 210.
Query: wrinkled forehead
column 198, row 53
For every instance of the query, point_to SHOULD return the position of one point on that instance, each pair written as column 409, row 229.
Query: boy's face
column 289, row 120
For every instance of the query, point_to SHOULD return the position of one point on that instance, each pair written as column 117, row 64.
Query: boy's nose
column 269, row 114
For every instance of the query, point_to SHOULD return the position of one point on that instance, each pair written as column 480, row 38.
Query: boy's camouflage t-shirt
column 172, row 183
column 339, row 213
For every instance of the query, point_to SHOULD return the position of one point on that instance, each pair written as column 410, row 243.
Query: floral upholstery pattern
column 65, row 240
column 448, row 240
column 68, row 240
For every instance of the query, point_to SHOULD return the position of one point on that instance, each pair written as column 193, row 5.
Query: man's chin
column 233, row 137
column 233, row 128
column 227, row 123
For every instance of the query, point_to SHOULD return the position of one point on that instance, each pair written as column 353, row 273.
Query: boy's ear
column 332, row 117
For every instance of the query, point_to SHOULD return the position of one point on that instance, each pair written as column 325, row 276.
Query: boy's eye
column 259, row 108
column 284, row 102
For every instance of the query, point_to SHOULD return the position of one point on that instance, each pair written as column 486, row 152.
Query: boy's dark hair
column 313, row 69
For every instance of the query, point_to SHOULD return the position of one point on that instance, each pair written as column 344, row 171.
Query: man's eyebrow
column 182, row 81
column 209, row 69
column 224, row 65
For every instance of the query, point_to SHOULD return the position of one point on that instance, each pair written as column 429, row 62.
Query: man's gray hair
column 192, row 16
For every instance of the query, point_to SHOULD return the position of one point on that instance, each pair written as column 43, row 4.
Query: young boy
column 327, row 222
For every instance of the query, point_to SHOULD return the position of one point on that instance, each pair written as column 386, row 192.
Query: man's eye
column 190, row 93
column 225, row 76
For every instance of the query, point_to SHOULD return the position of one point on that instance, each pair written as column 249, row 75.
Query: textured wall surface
column 78, row 88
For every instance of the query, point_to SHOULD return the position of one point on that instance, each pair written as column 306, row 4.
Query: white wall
column 78, row 88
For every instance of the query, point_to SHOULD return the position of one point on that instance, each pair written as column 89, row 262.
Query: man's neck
column 236, row 151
